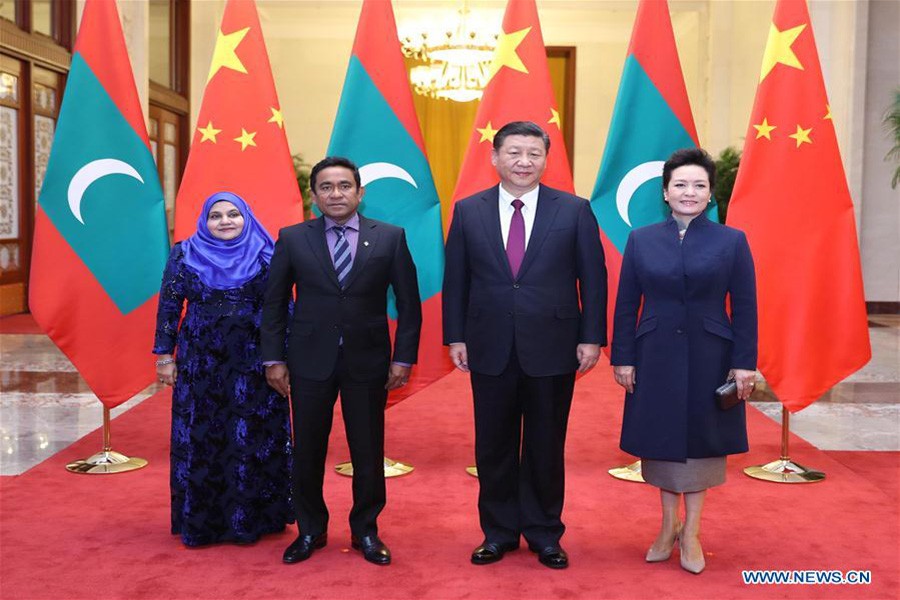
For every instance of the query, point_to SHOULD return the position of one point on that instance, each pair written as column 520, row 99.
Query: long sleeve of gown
column 171, row 302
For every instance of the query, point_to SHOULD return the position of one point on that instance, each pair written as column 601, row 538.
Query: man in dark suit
column 524, row 303
column 338, row 341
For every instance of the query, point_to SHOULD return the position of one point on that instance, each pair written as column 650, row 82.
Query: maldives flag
column 240, row 145
column 100, row 240
column 651, row 119
column 519, row 90
column 792, row 200
column 376, row 127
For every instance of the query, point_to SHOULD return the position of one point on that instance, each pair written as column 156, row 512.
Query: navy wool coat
column 684, row 343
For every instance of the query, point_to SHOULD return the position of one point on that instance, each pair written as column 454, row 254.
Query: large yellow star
column 487, row 133
column 778, row 49
column 246, row 139
column 505, row 54
column 209, row 133
column 764, row 129
column 554, row 118
column 224, row 55
column 802, row 136
column 277, row 117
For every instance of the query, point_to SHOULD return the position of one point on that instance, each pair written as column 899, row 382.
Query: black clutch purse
column 726, row 395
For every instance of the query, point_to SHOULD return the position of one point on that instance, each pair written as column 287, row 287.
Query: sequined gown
column 230, row 447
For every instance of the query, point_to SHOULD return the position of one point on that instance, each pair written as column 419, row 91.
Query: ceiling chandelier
column 456, row 61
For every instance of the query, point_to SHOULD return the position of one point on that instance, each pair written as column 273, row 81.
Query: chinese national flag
column 792, row 200
column 519, row 90
column 240, row 145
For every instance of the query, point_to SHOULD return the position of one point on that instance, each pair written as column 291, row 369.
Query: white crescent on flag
column 90, row 173
column 381, row 170
column 634, row 179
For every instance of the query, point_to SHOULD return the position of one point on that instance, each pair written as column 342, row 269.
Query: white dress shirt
column 529, row 199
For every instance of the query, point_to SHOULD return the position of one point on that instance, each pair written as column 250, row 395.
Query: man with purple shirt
column 337, row 341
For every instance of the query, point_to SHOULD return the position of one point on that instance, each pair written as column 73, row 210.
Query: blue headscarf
column 227, row 264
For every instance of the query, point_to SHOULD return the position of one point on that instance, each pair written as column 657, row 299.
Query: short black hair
column 333, row 161
column 689, row 156
column 528, row 128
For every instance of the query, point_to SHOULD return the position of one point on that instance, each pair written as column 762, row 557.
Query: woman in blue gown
column 230, row 452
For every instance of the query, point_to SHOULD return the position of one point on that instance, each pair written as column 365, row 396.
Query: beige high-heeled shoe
column 692, row 566
column 654, row 555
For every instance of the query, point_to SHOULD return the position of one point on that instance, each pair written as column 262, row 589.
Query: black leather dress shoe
column 302, row 548
column 372, row 548
column 491, row 552
column 552, row 556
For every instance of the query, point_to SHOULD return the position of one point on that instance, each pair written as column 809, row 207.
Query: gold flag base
column 630, row 472
column 784, row 470
column 107, row 461
column 392, row 468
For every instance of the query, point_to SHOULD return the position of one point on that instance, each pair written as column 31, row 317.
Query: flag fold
column 792, row 200
column 239, row 144
column 376, row 127
column 100, row 240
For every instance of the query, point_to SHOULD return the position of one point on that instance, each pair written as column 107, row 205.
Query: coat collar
column 368, row 236
column 547, row 207
column 365, row 244
column 700, row 220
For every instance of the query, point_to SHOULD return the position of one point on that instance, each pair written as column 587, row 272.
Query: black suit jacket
column 557, row 301
column 324, row 313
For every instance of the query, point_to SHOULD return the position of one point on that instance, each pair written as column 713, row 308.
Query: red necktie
column 515, row 243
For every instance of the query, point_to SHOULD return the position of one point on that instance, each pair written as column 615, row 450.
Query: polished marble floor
column 45, row 405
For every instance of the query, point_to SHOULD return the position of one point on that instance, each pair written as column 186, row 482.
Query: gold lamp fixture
column 456, row 61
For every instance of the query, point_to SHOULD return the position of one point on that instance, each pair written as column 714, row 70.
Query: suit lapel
column 319, row 247
column 547, row 207
column 365, row 244
column 490, row 218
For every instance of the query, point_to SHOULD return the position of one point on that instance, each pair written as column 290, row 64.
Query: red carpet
column 21, row 323
column 78, row 537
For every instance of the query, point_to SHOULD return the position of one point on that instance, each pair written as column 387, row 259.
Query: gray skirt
column 695, row 475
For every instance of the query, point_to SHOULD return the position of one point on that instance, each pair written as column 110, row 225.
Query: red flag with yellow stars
column 519, row 90
column 792, row 200
column 239, row 144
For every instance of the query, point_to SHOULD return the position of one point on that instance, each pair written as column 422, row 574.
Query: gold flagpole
column 106, row 461
column 784, row 470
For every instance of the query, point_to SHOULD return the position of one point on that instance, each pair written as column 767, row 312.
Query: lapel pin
column 366, row 243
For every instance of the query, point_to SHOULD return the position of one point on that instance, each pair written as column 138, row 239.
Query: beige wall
column 720, row 45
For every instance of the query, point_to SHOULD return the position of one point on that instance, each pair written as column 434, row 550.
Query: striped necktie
column 341, row 256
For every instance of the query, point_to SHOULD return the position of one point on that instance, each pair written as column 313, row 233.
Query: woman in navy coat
column 674, row 344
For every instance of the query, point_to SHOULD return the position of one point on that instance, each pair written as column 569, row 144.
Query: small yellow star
column 487, row 134
column 828, row 115
column 764, row 129
column 209, row 133
column 778, row 49
column 505, row 54
column 224, row 55
column 554, row 118
column 802, row 136
column 246, row 139
column 277, row 117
